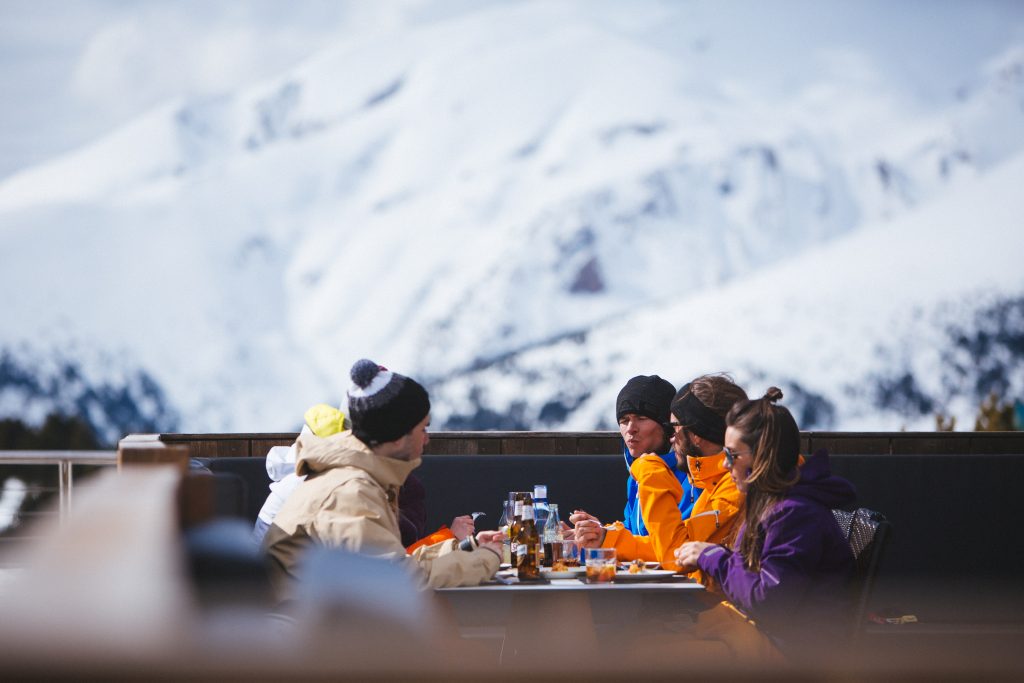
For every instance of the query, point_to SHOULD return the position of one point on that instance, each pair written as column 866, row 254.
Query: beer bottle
column 516, row 525
column 527, row 564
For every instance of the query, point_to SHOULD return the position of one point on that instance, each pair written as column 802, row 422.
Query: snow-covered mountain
column 880, row 329
column 111, row 396
column 524, row 205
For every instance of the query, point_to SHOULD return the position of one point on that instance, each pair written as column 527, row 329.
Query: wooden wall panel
column 453, row 444
column 219, row 448
column 544, row 445
column 927, row 444
column 258, row 448
column 1000, row 443
column 606, row 443
column 858, row 443
column 599, row 445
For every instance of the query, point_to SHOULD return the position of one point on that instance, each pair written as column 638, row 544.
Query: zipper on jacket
column 716, row 513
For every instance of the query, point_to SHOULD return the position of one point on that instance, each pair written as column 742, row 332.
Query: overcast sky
column 72, row 70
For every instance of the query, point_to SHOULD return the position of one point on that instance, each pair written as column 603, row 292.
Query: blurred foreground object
column 108, row 580
column 113, row 591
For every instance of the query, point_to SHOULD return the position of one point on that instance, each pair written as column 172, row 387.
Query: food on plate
column 598, row 573
column 564, row 564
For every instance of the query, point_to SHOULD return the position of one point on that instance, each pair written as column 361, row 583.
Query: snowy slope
column 443, row 195
column 876, row 330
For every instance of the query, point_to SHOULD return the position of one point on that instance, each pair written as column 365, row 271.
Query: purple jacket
column 806, row 563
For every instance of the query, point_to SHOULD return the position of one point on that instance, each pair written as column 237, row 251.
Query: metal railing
column 65, row 461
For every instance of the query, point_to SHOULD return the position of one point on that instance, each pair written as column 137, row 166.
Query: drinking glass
column 570, row 553
column 600, row 565
column 503, row 526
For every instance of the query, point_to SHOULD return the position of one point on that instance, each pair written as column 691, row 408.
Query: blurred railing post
column 197, row 494
column 64, row 489
column 148, row 449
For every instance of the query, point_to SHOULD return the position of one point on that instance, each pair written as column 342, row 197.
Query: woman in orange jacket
column 698, row 421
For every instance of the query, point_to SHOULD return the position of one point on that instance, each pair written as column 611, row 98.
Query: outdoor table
column 542, row 619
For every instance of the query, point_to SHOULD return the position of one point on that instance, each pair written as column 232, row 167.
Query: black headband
column 697, row 417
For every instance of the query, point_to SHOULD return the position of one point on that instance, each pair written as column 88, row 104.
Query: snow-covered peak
column 881, row 329
column 444, row 193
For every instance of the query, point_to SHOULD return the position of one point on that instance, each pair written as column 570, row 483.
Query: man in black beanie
column 642, row 409
column 349, row 498
column 698, row 423
column 385, row 406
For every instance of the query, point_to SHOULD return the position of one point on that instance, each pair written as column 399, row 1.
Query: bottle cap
column 540, row 491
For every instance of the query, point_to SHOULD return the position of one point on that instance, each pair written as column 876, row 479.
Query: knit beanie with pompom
column 383, row 405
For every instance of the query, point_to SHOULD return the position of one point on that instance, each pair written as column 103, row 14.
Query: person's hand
column 490, row 537
column 589, row 533
column 687, row 553
column 579, row 515
column 462, row 526
column 566, row 532
column 492, row 540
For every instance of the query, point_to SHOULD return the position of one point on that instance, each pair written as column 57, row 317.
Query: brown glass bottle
column 528, row 544
column 515, row 525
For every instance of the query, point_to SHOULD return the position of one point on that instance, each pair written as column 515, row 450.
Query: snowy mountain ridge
column 449, row 195
column 845, row 329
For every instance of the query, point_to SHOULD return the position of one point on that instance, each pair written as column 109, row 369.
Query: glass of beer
column 600, row 565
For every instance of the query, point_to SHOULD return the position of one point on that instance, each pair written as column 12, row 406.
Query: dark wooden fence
column 599, row 443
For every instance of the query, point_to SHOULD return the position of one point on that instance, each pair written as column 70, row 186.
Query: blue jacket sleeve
column 792, row 550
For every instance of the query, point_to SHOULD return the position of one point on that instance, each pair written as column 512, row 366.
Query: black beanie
column 383, row 405
column 647, row 395
column 697, row 417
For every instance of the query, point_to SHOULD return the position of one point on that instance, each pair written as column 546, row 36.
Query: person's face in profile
column 738, row 458
column 641, row 434
column 418, row 439
column 683, row 445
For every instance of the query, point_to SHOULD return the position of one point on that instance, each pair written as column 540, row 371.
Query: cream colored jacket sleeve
column 446, row 565
column 369, row 526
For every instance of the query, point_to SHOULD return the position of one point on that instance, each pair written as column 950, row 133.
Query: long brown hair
column 719, row 392
column 771, row 434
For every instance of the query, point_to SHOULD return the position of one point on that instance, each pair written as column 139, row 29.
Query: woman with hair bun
column 790, row 564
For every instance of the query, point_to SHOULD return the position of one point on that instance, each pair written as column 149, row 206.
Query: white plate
column 572, row 573
column 646, row 575
column 624, row 566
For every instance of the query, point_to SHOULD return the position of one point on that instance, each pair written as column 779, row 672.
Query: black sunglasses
column 731, row 455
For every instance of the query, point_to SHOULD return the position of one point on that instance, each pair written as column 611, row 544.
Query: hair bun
column 363, row 372
column 773, row 394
